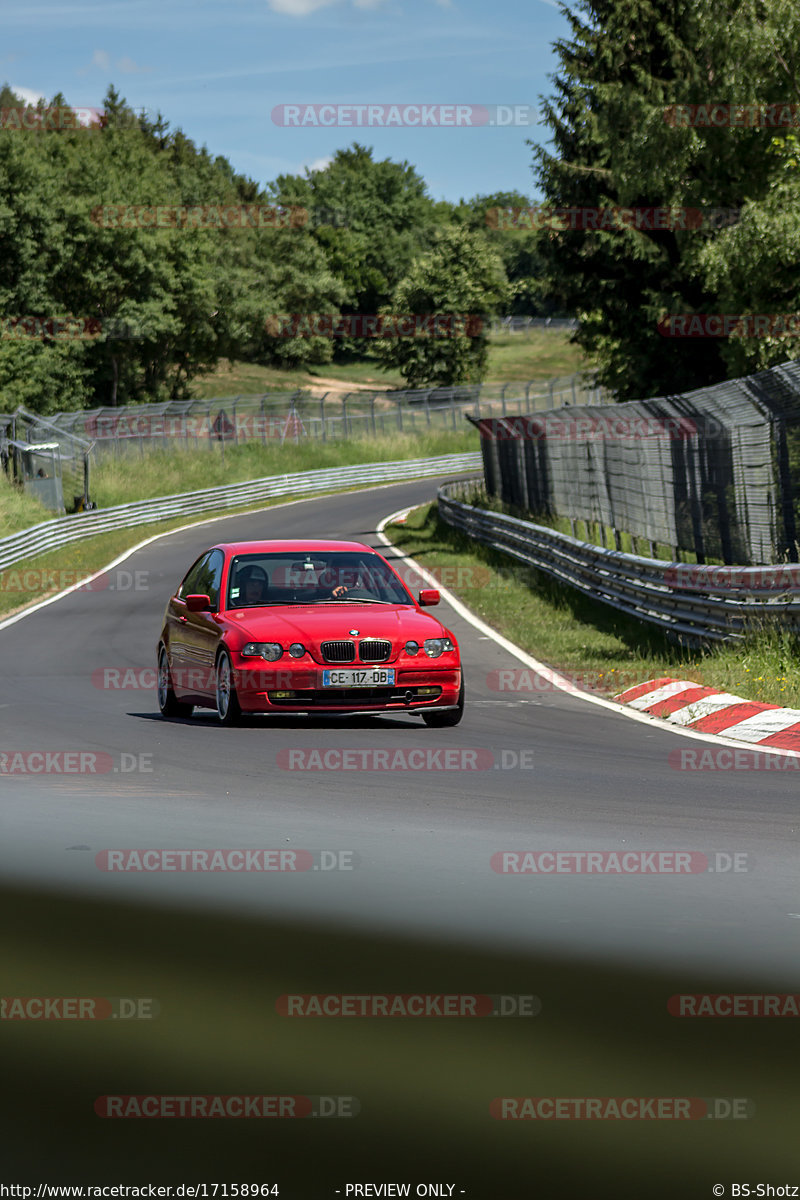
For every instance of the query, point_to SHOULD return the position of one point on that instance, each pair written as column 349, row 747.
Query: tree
column 501, row 217
column 370, row 219
column 461, row 276
column 625, row 64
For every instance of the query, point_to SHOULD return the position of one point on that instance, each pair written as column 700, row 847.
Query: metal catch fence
column 714, row 472
column 278, row 417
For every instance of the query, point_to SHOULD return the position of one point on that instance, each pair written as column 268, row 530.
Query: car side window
column 188, row 588
column 213, row 578
column 204, row 578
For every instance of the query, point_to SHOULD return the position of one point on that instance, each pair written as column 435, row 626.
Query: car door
column 201, row 631
column 179, row 635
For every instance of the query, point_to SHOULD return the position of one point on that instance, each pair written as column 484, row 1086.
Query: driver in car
column 253, row 585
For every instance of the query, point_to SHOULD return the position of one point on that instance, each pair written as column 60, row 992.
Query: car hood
column 312, row 624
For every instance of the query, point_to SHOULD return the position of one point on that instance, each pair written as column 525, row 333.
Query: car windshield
column 337, row 577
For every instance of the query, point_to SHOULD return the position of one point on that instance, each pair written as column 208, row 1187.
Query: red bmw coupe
column 304, row 627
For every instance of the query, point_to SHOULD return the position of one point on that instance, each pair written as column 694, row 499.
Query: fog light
column 432, row 691
column 281, row 695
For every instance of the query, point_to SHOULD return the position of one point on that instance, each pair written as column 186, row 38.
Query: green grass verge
column 17, row 509
column 604, row 650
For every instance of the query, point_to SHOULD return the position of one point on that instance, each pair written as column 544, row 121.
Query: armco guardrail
column 696, row 603
column 51, row 535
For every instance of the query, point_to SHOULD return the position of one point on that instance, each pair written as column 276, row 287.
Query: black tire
column 168, row 703
column 229, row 710
column 450, row 716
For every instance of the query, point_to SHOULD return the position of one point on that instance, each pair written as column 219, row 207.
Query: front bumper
column 300, row 690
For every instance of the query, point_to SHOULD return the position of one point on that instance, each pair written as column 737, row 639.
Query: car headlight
column 412, row 648
column 435, row 647
column 297, row 649
column 268, row 650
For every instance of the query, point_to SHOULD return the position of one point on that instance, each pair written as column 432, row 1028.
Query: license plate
column 374, row 677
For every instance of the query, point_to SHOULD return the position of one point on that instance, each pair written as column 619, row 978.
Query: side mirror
column 428, row 597
column 198, row 604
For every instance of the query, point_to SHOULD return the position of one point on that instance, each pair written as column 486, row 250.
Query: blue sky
column 218, row 69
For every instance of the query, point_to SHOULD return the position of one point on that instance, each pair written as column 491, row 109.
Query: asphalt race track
column 402, row 898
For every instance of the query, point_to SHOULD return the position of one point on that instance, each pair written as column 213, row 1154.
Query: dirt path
column 320, row 385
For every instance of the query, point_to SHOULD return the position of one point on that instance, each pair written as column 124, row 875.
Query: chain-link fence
column 714, row 472
column 527, row 324
column 46, row 460
column 297, row 416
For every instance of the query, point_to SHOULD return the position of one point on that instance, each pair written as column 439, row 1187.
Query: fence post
column 322, row 416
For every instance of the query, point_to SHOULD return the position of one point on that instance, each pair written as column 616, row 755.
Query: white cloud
column 318, row 164
column 101, row 59
column 129, row 67
column 27, row 95
column 299, row 8
column 302, row 8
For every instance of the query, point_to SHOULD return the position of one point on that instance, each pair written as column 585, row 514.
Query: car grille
column 339, row 652
column 373, row 650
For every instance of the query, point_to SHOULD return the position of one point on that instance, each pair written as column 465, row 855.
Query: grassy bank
column 163, row 472
column 540, row 354
column 604, row 650
column 166, row 472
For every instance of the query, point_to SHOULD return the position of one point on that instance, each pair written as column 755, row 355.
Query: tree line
column 131, row 261
column 668, row 190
